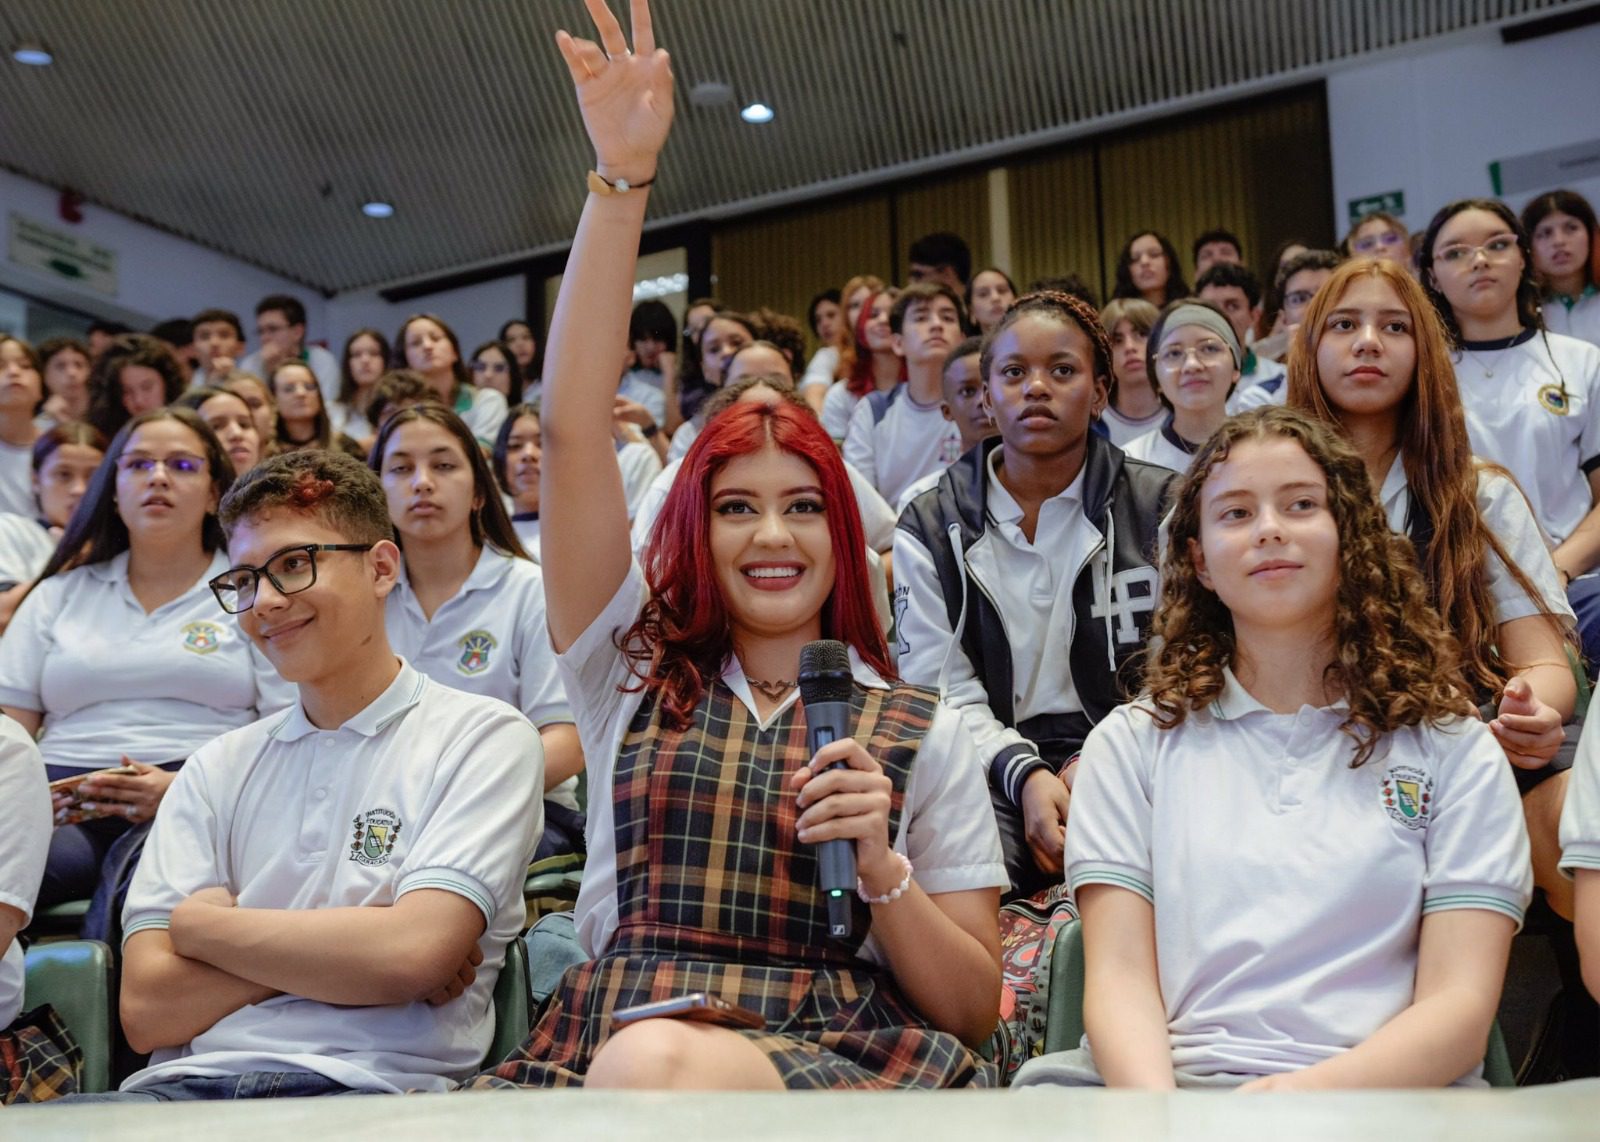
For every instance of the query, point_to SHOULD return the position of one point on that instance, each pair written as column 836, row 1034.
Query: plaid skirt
column 39, row 1059
column 828, row 1027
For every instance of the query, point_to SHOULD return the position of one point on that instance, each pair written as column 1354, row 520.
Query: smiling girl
column 1194, row 356
column 707, row 805
column 1299, row 860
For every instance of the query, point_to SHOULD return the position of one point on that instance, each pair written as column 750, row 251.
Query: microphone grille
column 824, row 672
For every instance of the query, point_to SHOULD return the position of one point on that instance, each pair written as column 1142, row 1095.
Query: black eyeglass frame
column 310, row 549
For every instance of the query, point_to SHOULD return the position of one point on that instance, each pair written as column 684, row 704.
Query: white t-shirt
column 112, row 680
column 837, row 408
column 427, row 787
column 687, row 432
column 877, row 517
column 1507, row 515
column 947, row 828
column 644, row 387
column 16, row 479
column 25, row 547
column 820, row 369
column 483, row 410
column 1121, row 429
column 1538, row 416
column 323, row 365
column 491, row 639
column 526, row 525
column 909, row 442
column 24, row 842
column 1289, row 889
column 1161, row 446
column 1267, row 383
column 1581, row 319
column 640, row 465
column 1580, row 815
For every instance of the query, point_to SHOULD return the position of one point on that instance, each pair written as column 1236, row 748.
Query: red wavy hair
column 684, row 634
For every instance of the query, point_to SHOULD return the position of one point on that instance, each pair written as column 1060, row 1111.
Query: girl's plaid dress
column 717, row 895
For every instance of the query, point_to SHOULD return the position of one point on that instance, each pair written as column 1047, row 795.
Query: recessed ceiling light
column 33, row 54
column 711, row 93
column 378, row 209
column 756, row 113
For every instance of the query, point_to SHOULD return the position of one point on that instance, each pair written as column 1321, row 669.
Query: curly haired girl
column 1298, row 860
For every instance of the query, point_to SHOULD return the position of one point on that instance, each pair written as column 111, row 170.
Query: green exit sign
column 1390, row 202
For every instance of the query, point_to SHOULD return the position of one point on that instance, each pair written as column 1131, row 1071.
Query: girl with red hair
column 874, row 364
column 705, row 803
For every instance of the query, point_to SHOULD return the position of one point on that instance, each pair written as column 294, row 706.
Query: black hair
column 1065, row 283
column 347, row 382
column 177, row 332
column 943, row 249
column 333, row 487
column 1551, row 202
column 1175, row 288
column 69, row 432
column 502, row 442
column 1527, row 288
column 293, row 312
column 458, row 371
column 651, row 320
column 1236, row 274
column 489, row 523
column 1218, row 234
column 1305, row 260
column 96, row 533
column 924, row 291
column 514, row 378
column 322, row 432
column 966, row 348
column 109, row 328
column 811, row 310
column 535, row 366
column 212, row 316
column 1063, row 307
column 48, row 349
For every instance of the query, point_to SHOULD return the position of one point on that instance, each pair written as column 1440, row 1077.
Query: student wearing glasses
column 118, row 654
column 1194, row 355
column 330, row 890
column 1378, row 235
column 1529, row 395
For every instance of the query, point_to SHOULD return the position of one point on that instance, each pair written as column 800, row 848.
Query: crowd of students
column 1248, row 621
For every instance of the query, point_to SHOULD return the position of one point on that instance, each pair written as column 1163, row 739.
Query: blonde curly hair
column 1396, row 664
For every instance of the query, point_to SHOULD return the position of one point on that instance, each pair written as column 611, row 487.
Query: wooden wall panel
column 1053, row 230
column 959, row 205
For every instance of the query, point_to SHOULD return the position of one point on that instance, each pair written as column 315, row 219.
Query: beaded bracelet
column 894, row 893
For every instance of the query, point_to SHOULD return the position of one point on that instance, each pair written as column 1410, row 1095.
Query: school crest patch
column 1408, row 796
column 376, row 832
column 1554, row 398
column 201, row 637
column 476, row 646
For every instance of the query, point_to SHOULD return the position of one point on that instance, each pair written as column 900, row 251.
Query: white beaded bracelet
column 894, row 893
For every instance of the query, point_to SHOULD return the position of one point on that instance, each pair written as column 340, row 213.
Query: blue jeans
column 253, row 1084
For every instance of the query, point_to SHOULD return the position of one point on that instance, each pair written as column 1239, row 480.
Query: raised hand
column 625, row 96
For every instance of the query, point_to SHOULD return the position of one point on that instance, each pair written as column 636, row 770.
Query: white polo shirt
column 1538, row 416
column 483, row 410
column 1289, row 889
column 909, row 442
column 491, row 639
column 427, row 787
column 1507, row 515
column 688, row 432
column 1580, row 815
column 837, row 408
column 1161, row 446
column 25, row 547
column 820, row 369
column 112, row 680
column 877, row 517
column 1581, row 319
column 640, row 465
column 526, row 525
column 24, row 842
column 16, row 478
column 947, row 827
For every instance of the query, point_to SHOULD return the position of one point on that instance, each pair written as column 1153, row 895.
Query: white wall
column 1431, row 123
column 159, row 276
column 475, row 312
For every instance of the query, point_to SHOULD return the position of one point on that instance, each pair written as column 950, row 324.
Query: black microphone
column 825, row 683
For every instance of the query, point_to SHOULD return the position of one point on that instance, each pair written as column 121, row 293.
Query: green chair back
column 74, row 977
column 512, row 1012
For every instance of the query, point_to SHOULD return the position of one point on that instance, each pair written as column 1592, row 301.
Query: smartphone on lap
column 697, row 1007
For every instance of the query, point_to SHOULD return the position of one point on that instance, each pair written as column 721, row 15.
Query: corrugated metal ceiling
column 258, row 128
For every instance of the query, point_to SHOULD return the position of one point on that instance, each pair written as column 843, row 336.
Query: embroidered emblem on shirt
column 475, row 647
column 376, row 831
column 1554, row 399
column 201, row 637
column 1408, row 795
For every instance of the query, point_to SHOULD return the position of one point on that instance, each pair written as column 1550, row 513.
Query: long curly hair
column 1441, row 472
column 1395, row 663
column 684, row 633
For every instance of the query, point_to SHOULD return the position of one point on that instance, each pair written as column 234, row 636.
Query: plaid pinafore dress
column 715, row 894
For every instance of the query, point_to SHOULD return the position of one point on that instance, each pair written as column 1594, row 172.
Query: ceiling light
column 33, row 54
column 711, row 93
column 377, row 208
column 756, row 113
